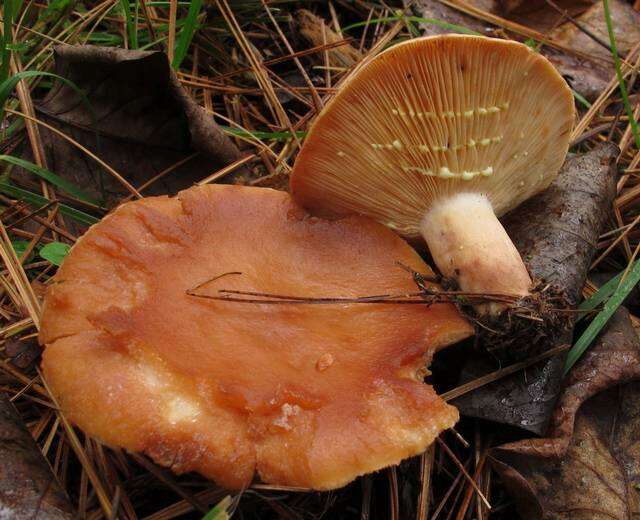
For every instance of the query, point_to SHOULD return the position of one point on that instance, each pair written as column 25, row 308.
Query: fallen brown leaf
column 626, row 23
column 587, row 77
column 141, row 122
column 590, row 78
column 22, row 352
column 435, row 10
column 539, row 14
column 318, row 33
column 28, row 487
column 589, row 465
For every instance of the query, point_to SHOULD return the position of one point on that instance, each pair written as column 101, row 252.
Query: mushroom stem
column 469, row 244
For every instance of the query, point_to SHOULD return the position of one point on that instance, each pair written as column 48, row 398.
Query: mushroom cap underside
column 304, row 395
column 432, row 117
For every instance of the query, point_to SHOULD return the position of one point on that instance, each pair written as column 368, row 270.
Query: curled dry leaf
column 28, row 487
column 586, row 76
column 138, row 119
column 555, row 232
column 590, row 78
column 626, row 23
column 318, row 33
column 539, row 14
column 589, row 465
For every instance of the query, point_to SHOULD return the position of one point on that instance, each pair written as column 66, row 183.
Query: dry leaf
column 435, row 10
column 589, row 465
column 318, row 33
column 539, row 14
column 28, row 488
column 588, row 77
column 626, row 23
column 22, row 353
column 140, row 123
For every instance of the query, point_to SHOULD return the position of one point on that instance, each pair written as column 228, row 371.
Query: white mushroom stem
column 468, row 243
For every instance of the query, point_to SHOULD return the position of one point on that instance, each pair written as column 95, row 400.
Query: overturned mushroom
column 140, row 356
column 436, row 137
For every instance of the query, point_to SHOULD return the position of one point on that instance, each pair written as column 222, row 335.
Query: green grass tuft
column 38, row 200
column 186, row 34
column 612, row 294
column 51, row 177
column 414, row 19
column 621, row 82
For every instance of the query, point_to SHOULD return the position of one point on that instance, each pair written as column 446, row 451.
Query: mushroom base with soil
column 523, row 328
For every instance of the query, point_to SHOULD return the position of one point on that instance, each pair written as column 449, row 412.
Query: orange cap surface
column 306, row 395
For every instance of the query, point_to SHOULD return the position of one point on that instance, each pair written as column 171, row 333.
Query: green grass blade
column 17, row 7
column 39, row 201
column 258, row 134
column 7, row 86
column 186, row 34
column 15, row 126
column 7, row 32
column 54, row 179
column 136, row 20
column 416, row 19
column 132, row 29
column 151, row 44
column 604, row 292
column 581, row 99
column 621, row 83
column 601, row 319
column 220, row 511
column 103, row 38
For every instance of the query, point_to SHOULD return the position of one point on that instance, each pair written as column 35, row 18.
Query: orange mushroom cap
column 306, row 395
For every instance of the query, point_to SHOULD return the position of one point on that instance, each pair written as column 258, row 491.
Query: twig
column 503, row 372
column 464, row 471
column 579, row 26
